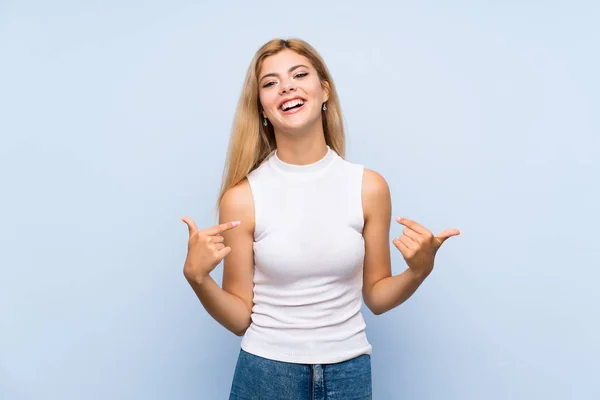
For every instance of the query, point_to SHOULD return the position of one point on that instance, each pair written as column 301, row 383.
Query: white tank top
column 308, row 254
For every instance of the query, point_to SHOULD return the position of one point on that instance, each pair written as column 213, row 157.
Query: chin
column 300, row 124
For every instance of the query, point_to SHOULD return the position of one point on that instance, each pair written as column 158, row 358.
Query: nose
column 287, row 87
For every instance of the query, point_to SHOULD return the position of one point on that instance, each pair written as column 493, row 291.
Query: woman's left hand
column 419, row 246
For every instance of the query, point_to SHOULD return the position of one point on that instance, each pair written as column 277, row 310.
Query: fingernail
column 236, row 223
column 398, row 219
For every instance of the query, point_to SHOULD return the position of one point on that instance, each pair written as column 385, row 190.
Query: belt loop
column 318, row 387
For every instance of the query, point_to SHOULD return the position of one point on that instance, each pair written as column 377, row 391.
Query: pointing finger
column 215, row 230
column 412, row 225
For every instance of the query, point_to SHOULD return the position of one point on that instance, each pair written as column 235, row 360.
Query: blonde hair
column 251, row 142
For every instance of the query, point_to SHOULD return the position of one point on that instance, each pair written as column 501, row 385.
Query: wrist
column 198, row 280
column 420, row 275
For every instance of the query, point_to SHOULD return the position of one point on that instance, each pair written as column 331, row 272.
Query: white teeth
column 287, row 105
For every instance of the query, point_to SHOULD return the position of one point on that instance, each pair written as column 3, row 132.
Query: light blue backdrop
column 114, row 122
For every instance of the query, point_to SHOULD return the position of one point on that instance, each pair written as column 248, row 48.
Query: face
column 290, row 91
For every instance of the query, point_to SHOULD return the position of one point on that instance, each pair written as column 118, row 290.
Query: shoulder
column 374, row 184
column 375, row 192
column 238, row 204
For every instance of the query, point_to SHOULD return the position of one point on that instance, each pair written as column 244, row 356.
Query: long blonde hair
column 251, row 142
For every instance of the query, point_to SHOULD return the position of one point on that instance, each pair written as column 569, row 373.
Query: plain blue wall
column 115, row 120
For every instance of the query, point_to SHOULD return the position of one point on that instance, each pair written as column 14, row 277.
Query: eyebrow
column 289, row 71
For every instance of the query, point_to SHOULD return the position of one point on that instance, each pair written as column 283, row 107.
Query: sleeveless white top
column 308, row 254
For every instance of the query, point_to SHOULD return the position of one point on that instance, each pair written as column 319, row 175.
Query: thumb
column 191, row 225
column 445, row 234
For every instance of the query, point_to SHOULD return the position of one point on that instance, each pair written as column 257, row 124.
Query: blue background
column 114, row 122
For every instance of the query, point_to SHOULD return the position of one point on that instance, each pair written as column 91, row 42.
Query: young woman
column 303, row 234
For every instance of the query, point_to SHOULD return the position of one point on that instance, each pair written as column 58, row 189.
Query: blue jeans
column 259, row 378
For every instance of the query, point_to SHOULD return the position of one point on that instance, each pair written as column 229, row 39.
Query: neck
column 301, row 148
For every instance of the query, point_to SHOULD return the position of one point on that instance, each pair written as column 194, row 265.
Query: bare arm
column 381, row 291
column 231, row 305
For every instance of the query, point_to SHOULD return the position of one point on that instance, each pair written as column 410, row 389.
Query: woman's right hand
column 205, row 249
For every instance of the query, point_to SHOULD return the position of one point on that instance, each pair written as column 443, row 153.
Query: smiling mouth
column 292, row 106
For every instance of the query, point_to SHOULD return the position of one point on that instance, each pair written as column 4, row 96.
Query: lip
column 290, row 99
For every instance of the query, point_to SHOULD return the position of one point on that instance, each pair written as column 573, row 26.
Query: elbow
column 377, row 311
column 241, row 332
column 372, row 300
column 374, row 308
column 243, row 325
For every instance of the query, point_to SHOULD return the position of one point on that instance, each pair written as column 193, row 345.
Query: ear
column 326, row 90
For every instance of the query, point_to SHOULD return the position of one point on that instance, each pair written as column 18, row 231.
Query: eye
column 301, row 75
column 268, row 84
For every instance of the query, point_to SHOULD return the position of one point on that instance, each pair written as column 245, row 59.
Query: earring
column 265, row 122
column 324, row 106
